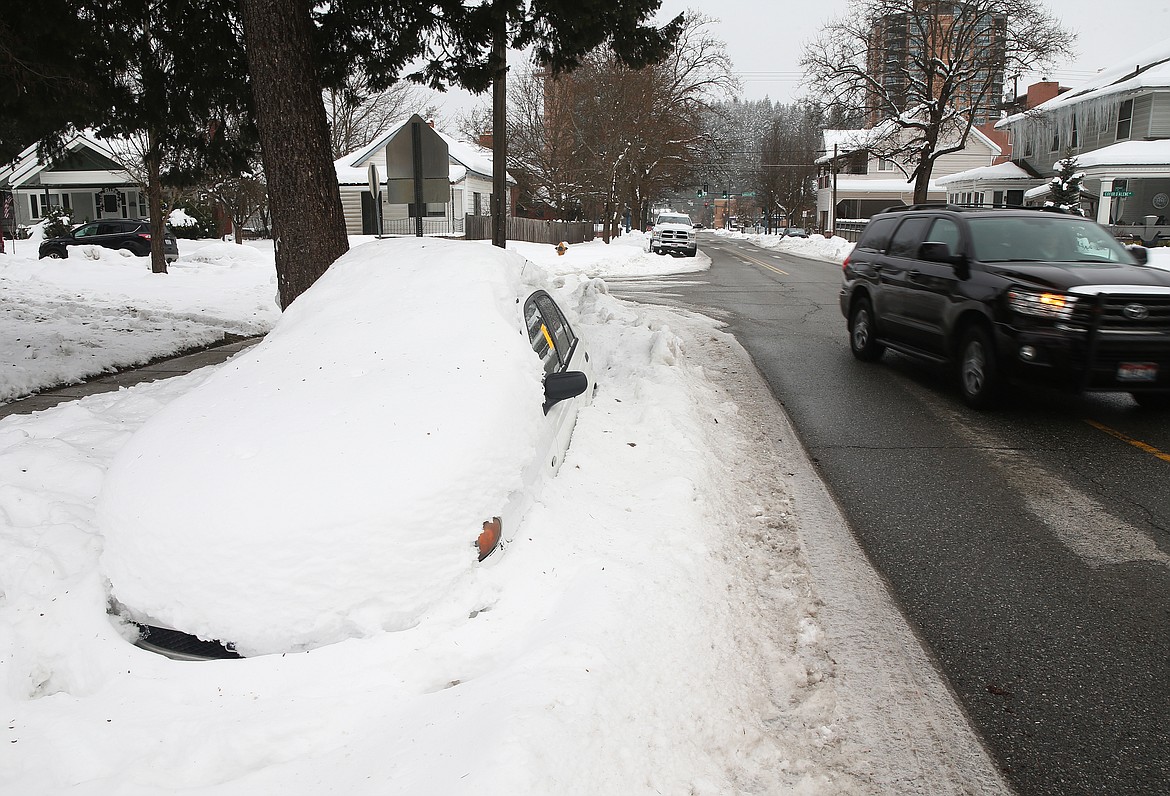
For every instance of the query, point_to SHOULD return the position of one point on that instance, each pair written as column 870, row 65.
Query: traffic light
column 704, row 189
column 699, row 193
column 725, row 194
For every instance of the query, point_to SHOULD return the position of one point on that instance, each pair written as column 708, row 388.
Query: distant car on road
column 344, row 475
column 1010, row 294
column 673, row 232
column 126, row 234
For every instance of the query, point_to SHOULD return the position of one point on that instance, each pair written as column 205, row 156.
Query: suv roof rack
column 973, row 208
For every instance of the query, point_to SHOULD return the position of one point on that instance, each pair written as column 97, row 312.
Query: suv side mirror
column 1140, row 253
column 936, row 252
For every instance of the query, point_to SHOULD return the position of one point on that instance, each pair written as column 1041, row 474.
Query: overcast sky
column 765, row 37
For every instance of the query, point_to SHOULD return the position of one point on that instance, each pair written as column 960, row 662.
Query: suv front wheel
column 979, row 378
column 862, row 338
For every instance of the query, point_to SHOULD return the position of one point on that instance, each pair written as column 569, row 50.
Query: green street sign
column 748, row 193
column 1117, row 193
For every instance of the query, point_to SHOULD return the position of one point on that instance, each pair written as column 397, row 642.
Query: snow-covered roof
column 1128, row 153
column 843, row 142
column 1146, row 69
column 855, row 185
column 465, row 157
column 998, row 172
column 28, row 164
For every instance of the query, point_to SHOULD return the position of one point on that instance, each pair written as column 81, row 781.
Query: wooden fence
column 533, row 230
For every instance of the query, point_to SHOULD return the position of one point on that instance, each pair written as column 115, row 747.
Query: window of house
column 476, row 203
column 1124, row 119
column 1074, row 137
column 433, row 210
column 34, row 207
column 885, row 165
column 1055, row 140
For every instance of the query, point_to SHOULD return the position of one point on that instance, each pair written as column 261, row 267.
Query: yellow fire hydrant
column 562, row 247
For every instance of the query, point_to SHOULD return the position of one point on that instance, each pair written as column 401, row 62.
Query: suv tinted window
column 944, row 230
column 877, row 234
column 109, row 228
column 910, row 233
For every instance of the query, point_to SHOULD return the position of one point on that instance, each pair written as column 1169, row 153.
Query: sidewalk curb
column 175, row 364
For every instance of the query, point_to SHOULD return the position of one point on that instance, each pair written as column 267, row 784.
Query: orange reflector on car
column 490, row 537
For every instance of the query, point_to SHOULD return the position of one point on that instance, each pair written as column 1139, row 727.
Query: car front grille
column 1117, row 313
column 673, row 236
column 176, row 644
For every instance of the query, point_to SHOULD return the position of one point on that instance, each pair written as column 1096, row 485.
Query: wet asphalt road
column 1029, row 546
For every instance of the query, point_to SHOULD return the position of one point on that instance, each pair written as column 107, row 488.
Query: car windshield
column 674, row 220
column 1044, row 238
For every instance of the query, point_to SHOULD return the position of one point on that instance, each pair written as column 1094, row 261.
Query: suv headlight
column 1057, row 306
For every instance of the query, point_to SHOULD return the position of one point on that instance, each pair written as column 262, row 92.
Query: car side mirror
column 561, row 386
column 937, row 252
column 1140, row 253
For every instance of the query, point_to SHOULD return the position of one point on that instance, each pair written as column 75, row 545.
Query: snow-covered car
column 348, row 473
column 124, row 234
column 673, row 232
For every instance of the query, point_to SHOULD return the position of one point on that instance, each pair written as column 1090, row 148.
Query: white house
column 1001, row 185
column 470, row 177
column 854, row 184
column 88, row 179
column 1117, row 125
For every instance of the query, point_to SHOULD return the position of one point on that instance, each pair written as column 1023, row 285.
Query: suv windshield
column 1041, row 238
column 674, row 220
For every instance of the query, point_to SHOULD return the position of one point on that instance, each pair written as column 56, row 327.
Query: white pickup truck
column 673, row 232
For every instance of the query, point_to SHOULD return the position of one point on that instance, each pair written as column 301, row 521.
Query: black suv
column 127, row 234
column 1010, row 294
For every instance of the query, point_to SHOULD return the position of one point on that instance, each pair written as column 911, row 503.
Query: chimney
column 485, row 140
column 1039, row 93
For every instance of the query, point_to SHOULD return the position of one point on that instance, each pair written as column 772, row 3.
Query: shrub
column 58, row 222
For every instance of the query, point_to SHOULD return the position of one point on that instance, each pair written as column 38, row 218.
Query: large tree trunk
column 307, row 220
column 158, row 259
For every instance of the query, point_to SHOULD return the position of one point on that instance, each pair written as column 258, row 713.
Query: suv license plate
column 1137, row 371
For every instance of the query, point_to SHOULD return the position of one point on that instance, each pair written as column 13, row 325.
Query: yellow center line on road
column 1150, row 449
column 753, row 261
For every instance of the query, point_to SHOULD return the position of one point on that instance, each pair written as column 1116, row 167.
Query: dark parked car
column 1010, row 294
column 794, row 232
column 128, row 234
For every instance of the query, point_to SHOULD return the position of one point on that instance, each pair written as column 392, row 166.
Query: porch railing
column 431, row 226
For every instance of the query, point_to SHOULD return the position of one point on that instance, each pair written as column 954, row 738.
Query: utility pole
column 499, row 129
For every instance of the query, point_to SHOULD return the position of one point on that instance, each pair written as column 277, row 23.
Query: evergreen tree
column 1064, row 190
column 167, row 80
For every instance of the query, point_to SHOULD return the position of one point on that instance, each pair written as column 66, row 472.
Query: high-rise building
column 965, row 42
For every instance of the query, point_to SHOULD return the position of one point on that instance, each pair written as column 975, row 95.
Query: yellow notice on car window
column 547, row 336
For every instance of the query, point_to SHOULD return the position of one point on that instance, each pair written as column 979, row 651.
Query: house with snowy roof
column 854, row 183
column 87, row 177
column 470, row 188
column 1117, row 125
